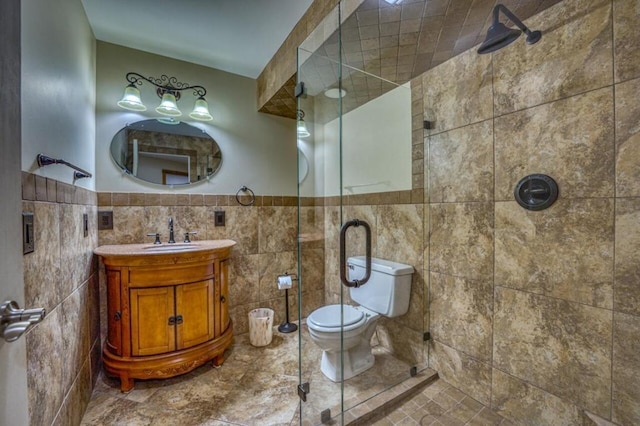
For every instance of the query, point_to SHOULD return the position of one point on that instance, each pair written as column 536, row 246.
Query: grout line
column 555, row 100
column 615, row 190
column 493, row 283
column 523, row 290
column 465, row 353
column 538, row 387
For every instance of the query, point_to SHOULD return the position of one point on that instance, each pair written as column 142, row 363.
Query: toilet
column 386, row 293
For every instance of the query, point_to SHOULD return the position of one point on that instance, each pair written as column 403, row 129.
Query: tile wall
column 537, row 313
column 276, row 82
column 265, row 232
column 61, row 275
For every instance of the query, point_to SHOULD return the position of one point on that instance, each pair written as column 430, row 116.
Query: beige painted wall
column 58, row 88
column 376, row 147
column 258, row 150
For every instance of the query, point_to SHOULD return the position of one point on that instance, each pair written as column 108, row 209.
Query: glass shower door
column 354, row 163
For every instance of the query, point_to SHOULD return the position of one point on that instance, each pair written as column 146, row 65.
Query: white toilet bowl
column 349, row 328
column 358, row 325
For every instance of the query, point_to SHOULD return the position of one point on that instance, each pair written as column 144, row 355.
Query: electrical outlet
column 85, row 225
column 219, row 218
column 28, row 237
column 105, row 220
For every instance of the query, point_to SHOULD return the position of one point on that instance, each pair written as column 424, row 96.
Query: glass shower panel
column 319, row 219
column 355, row 163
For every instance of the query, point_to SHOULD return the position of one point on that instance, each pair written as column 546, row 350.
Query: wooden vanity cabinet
column 164, row 319
column 167, row 313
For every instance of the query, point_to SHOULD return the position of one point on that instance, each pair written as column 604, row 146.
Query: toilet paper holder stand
column 287, row 327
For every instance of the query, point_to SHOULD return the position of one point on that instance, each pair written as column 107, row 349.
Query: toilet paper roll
column 284, row 282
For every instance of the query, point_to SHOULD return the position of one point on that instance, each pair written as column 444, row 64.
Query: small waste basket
column 260, row 326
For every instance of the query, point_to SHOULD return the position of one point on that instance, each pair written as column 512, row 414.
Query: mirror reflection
column 165, row 152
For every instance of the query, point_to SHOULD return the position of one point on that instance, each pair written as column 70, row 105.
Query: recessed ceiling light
column 335, row 93
column 393, row 1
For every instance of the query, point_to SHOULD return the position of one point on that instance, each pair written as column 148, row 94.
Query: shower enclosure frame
column 326, row 203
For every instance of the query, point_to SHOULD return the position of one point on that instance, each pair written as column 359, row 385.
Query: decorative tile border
column 40, row 188
column 413, row 196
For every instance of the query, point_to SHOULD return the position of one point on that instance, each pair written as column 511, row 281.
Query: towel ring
column 245, row 189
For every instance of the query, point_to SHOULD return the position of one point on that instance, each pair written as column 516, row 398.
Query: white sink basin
column 126, row 250
column 170, row 247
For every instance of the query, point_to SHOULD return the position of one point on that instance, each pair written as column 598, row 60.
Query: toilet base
column 356, row 361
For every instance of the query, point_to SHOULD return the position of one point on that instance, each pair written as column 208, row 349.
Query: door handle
column 14, row 321
column 343, row 254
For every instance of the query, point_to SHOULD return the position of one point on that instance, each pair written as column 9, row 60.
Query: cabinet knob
column 175, row 320
column 222, row 299
column 117, row 316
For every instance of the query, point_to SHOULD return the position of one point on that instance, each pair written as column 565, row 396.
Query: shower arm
column 513, row 18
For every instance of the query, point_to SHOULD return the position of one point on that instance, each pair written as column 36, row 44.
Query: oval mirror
column 166, row 153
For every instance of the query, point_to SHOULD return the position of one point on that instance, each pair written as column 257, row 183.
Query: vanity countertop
column 150, row 249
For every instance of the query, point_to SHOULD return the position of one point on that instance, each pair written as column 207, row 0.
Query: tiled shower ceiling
column 396, row 43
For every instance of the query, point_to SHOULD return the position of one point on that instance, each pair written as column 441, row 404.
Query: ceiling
column 239, row 37
column 383, row 45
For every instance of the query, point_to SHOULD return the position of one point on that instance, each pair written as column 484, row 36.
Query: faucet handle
column 157, row 241
column 186, row 236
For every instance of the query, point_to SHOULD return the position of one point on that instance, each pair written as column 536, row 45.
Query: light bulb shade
column 131, row 99
column 168, row 106
column 201, row 110
column 302, row 129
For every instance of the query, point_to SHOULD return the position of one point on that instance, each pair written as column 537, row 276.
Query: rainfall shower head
column 499, row 35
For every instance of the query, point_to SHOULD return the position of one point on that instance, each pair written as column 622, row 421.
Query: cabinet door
column 224, row 295
column 195, row 313
column 151, row 312
column 114, row 313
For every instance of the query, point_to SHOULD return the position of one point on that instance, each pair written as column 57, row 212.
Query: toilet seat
column 327, row 318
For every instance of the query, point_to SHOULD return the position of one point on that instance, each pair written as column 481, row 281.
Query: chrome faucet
column 171, row 240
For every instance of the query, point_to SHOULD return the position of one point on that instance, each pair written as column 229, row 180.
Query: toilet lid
column 329, row 317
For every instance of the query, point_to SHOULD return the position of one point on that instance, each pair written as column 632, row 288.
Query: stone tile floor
column 258, row 386
column 440, row 404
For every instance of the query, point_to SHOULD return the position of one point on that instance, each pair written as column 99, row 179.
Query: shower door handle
column 343, row 253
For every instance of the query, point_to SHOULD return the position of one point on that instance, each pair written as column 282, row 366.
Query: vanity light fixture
column 169, row 89
column 302, row 126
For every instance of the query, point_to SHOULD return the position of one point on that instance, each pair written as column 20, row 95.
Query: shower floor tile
column 440, row 404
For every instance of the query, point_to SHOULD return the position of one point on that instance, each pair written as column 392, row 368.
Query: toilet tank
column 388, row 289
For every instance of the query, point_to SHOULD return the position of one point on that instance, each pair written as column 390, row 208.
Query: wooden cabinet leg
column 126, row 384
column 217, row 361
